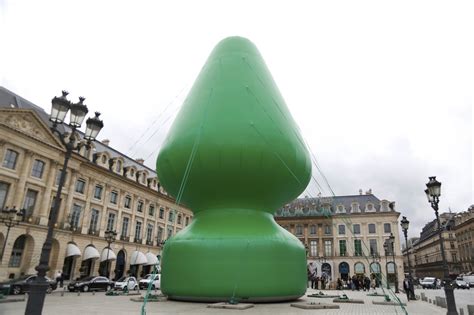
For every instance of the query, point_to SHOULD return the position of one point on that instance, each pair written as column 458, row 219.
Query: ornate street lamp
column 109, row 238
column 78, row 111
column 392, row 248
column 10, row 217
column 405, row 224
column 433, row 192
column 386, row 250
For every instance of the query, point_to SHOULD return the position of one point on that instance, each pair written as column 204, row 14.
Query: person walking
column 409, row 288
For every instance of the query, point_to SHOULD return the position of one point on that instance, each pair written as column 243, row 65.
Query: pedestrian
column 409, row 288
column 339, row 284
column 59, row 278
column 312, row 275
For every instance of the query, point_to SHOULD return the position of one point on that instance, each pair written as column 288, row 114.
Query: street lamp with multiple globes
column 391, row 243
column 78, row 111
column 433, row 192
column 109, row 238
column 10, row 217
column 386, row 250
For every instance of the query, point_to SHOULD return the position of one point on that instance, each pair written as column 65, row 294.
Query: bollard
column 430, row 301
column 470, row 309
column 93, row 292
column 78, row 293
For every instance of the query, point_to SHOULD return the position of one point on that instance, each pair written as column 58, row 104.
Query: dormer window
column 341, row 209
column 384, row 206
column 355, row 207
column 104, row 159
column 132, row 172
column 118, row 166
column 369, row 207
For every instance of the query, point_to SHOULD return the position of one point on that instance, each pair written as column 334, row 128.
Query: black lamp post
column 78, row 111
column 433, row 192
column 109, row 238
column 10, row 217
column 405, row 224
column 392, row 249
column 385, row 248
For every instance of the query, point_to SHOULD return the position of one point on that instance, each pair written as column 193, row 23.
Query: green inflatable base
column 234, row 254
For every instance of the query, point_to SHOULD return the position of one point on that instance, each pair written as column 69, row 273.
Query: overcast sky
column 382, row 91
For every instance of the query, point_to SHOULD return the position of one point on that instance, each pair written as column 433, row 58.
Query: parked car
column 92, row 283
column 429, row 283
column 22, row 285
column 143, row 284
column 469, row 279
column 459, row 283
column 130, row 282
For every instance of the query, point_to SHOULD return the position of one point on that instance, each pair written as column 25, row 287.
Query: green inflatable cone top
column 234, row 156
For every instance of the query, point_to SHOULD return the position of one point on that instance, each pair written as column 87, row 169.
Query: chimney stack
column 140, row 160
column 360, row 191
column 106, row 142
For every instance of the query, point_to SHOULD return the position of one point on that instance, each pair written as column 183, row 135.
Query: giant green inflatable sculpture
column 234, row 156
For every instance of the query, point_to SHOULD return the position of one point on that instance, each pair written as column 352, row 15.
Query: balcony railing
column 149, row 242
column 92, row 232
column 124, row 237
column 137, row 240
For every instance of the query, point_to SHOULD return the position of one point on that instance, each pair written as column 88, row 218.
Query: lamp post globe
column 60, row 106
column 110, row 236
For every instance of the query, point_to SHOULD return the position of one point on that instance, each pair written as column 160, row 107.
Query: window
column 138, row 231
column 111, row 222
column 171, row 216
column 373, row 247
column 327, row 248
column 312, row 229
column 58, row 177
column 371, row 228
column 30, row 201
column 80, row 186
column 162, row 213
column 342, row 229
column 327, row 230
column 9, row 161
column 98, row 192
column 37, row 169
column 17, row 251
column 94, row 220
column 118, row 167
column 387, row 228
column 370, row 207
column 104, row 159
column 169, row 232
column 124, row 227
column 313, row 245
column 179, row 219
column 128, row 202
column 159, row 237
column 75, row 215
column 299, row 230
column 151, row 210
column 149, row 232
column 356, row 228
column 3, row 193
column 186, row 221
column 113, row 197
column 454, row 256
column 140, row 206
column 342, row 248
column 357, row 247
column 341, row 209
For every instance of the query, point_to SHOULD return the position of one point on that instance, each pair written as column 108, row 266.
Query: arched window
column 359, row 268
column 118, row 167
column 104, row 159
column 17, row 251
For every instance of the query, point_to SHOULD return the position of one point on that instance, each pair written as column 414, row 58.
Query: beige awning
column 151, row 259
column 107, row 254
column 138, row 258
column 90, row 253
column 72, row 250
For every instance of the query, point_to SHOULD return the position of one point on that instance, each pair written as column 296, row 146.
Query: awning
column 72, row 250
column 151, row 259
column 138, row 258
column 90, row 253
column 107, row 254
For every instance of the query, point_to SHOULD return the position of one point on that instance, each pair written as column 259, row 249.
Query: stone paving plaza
column 87, row 303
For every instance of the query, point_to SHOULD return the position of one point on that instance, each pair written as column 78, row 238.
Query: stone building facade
column 464, row 230
column 104, row 190
column 425, row 253
column 344, row 235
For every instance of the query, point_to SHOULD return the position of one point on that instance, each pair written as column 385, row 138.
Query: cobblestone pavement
column 462, row 297
column 87, row 303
